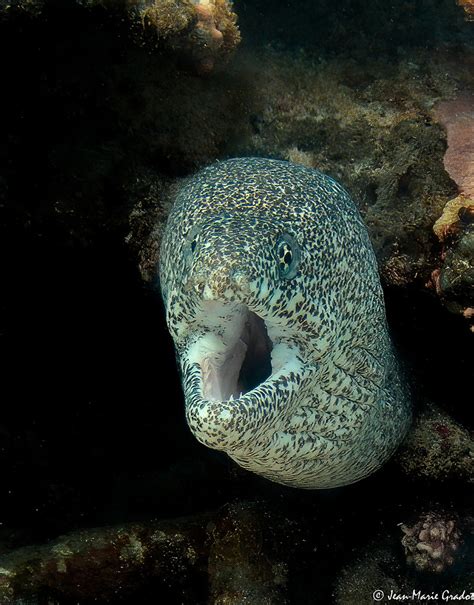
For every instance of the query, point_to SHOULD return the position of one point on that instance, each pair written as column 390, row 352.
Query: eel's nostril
column 195, row 283
column 240, row 279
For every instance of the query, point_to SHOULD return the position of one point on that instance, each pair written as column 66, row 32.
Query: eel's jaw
column 234, row 355
column 237, row 379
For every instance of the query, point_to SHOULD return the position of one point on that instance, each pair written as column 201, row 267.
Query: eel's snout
column 220, row 284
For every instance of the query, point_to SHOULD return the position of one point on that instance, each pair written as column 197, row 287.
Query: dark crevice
column 257, row 365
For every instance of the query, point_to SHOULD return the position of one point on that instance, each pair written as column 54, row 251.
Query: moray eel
column 275, row 306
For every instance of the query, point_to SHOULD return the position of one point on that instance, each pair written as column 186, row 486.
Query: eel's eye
column 193, row 239
column 288, row 256
column 191, row 246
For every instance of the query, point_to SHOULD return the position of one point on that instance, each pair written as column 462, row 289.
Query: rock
column 150, row 196
column 375, row 569
column 437, row 448
column 454, row 279
column 370, row 127
column 101, row 563
column 456, row 276
column 233, row 548
column 239, row 566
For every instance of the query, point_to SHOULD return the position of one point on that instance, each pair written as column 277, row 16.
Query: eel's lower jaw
column 231, row 393
column 235, row 424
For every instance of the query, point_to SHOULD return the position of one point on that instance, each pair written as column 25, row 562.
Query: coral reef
column 431, row 544
column 210, row 27
column 168, row 18
column 205, row 31
column 437, row 448
column 102, row 113
column 372, row 128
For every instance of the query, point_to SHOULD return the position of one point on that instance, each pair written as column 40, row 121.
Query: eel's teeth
column 231, row 398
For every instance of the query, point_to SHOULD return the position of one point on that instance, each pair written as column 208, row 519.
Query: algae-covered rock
column 204, row 30
column 101, row 564
column 227, row 547
column 370, row 126
column 456, row 278
column 437, row 448
column 151, row 198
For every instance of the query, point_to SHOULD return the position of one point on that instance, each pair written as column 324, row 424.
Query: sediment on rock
column 437, row 448
column 453, row 279
column 240, row 567
column 104, row 563
column 228, row 547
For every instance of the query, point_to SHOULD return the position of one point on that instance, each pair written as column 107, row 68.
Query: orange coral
column 217, row 30
column 468, row 6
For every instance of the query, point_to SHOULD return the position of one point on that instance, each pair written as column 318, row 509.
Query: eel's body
column 271, row 290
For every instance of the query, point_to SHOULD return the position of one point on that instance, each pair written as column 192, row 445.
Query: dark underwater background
column 92, row 427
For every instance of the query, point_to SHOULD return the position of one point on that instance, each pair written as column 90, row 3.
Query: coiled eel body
column 275, row 306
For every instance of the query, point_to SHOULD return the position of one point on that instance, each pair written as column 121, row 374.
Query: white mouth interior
column 235, row 355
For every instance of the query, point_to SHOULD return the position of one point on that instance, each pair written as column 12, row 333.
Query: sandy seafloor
column 96, row 124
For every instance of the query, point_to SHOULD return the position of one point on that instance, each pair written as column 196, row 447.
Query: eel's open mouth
column 235, row 356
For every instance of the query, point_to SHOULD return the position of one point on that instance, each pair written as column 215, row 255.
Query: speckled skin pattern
column 334, row 407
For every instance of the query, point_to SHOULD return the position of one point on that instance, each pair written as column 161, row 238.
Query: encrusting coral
column 457, row 116
column 450, row 222
column 468, row 6
column 454, row 279
column 432, row 542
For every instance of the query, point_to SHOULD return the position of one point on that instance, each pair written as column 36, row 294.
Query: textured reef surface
column 106, row 106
